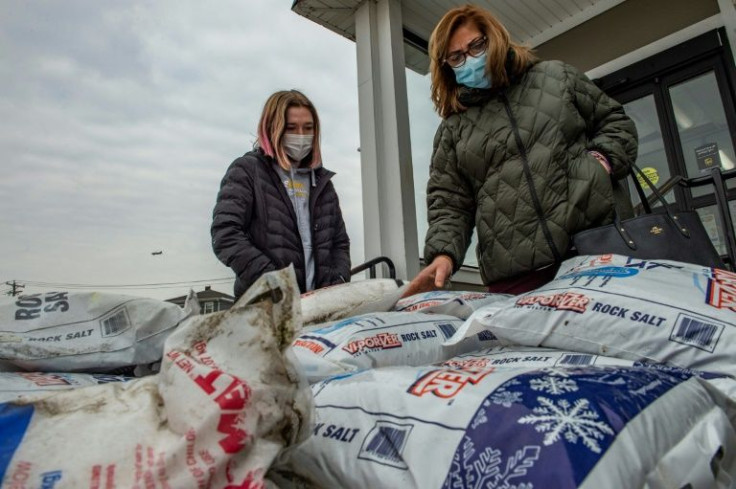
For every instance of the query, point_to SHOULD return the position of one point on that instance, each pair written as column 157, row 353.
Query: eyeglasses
column 476, row 47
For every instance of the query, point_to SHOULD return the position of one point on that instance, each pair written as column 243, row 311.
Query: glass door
column 705, row 141
column 652, row 157
column 686, row 120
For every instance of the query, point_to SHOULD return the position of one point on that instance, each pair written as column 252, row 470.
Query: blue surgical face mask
column 473, row 72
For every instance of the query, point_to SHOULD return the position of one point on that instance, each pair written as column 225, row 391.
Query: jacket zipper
column 290, row 206
column 530, row 180
column 321, row 183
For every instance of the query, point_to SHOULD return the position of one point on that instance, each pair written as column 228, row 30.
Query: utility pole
column 15, row 288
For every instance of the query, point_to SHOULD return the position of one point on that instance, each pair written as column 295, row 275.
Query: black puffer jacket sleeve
column 231, row 219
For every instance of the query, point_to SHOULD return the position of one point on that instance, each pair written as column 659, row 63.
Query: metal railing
column 371, row 267
column 664, row 189
column 717, row 178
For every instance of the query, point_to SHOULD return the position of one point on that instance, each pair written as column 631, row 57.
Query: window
column 208, row 307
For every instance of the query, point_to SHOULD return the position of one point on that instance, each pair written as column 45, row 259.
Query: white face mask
column 297, row 146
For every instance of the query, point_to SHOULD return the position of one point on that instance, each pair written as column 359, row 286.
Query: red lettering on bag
column 569, row 301
column 233, row 397
column 252, row 481
column 95, row 482
column 381, row 340
column 447, row 383
column 309, row 345
column 44, row 379
column 472, row 363
column 721, row 292
column 235, row 439
column 21, row 474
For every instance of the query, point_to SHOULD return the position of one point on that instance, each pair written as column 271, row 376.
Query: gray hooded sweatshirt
column 297, row 182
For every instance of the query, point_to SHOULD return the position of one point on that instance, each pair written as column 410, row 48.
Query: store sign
column 651, row 173
column 707, row 157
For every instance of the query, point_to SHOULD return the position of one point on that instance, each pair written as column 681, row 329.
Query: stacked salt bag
column 227, row 400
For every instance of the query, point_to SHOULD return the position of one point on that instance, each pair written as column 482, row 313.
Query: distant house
column 209, row 300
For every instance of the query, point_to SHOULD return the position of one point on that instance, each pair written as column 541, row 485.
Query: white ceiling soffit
column 530, row 22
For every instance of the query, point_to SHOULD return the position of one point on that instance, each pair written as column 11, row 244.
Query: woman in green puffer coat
column 529, row 152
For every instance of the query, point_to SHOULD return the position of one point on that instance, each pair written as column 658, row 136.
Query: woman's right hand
column 433, row 277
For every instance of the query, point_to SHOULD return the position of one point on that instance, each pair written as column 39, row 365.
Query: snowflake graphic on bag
column 536, row 423
column 573, row 421
column 553, row 385
column 489, row 469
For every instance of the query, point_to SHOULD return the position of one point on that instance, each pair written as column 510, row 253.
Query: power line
column 161, row 285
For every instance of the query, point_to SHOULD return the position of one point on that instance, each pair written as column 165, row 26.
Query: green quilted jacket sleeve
column 611, row 132
column 450, row 203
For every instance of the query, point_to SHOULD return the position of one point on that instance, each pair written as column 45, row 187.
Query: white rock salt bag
column 380, row 340
column 648, row 310
column 350, row 299
column 532, row 357
column 540, row 357
column 17, row 385
column 455, row 303
column 86, row 331
column 227, row 400
column 578, row 427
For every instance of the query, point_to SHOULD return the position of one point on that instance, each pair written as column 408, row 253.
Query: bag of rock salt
column 225, row 403
column 649, row 310
column 17, row 385
column 460, row 304
column 350, row 299
column 379, row 340
column 463, row 427
column 540, row 357
column 86, row 331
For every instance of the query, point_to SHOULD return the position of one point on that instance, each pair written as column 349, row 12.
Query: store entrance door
column 683, row 106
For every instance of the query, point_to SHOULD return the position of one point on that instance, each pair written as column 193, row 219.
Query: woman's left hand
column 602, row 160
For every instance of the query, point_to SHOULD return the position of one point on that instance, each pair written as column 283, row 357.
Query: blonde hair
column 272, row 126
column 445, row 89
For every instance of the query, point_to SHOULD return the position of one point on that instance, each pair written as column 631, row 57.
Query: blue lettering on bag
column 620, row 272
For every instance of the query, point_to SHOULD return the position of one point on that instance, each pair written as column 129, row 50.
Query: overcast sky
column 120, row 118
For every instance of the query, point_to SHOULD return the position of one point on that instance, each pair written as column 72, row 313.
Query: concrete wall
column 624, row 28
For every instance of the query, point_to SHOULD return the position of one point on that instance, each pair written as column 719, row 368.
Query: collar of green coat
column 470, row 97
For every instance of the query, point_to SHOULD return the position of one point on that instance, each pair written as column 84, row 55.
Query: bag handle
column 645, row 203
column 634, row 171
column 640, row 190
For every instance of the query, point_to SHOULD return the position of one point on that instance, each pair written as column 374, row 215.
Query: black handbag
column 678, row 236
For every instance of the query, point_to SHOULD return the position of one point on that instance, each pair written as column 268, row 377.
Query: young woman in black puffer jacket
column 277, row 205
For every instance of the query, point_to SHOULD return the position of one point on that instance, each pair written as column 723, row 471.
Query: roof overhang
column 530, row 22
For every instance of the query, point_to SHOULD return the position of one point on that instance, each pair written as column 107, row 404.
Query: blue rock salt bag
column 380, row 340
column 467, row 426
column 460, row 304
column 644, row 310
